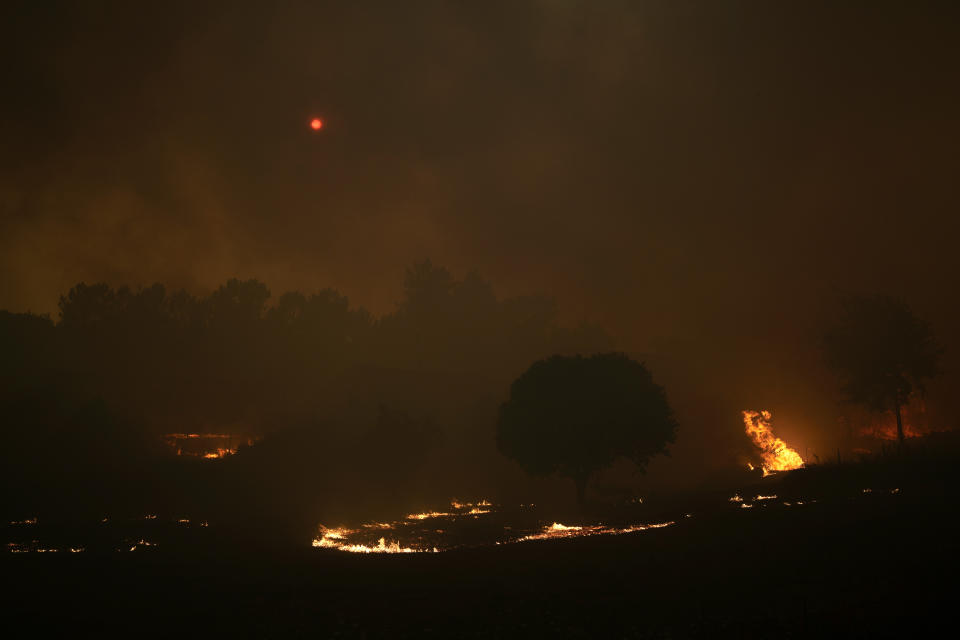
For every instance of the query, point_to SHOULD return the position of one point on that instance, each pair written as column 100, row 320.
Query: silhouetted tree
column 86, row 305
column 575, row 415
column 426, row 288
column 237, row 304
column 882, row 353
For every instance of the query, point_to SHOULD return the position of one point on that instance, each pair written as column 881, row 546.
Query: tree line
column 381, row 405
column 240, row 355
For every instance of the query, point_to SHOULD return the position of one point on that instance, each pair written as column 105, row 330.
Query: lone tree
column 575, row 415
column 882, row 353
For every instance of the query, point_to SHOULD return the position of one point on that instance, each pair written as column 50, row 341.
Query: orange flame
column 343, row 539
column 335, row 538
column 887, row 430
column 914, row 417
column 557, row 530
column 776, row 455
column 220, row 452
column 201, row 445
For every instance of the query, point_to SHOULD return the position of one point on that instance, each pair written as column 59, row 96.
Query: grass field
column 846, row 563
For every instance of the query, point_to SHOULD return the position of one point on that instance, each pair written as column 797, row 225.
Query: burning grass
column 459, row 526
column 337, row 539
column 557, row 530
column 427, row 538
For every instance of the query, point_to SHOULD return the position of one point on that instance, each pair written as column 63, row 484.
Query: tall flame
column 776, row 455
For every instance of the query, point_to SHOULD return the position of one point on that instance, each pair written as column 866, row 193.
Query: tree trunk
column 899, row 426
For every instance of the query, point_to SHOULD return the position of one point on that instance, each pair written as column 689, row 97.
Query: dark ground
column 856, row 566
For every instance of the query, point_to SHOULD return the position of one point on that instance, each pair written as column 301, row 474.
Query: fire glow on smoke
column 775, row 453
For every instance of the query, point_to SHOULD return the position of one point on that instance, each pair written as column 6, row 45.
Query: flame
column 220, row 452
column 428, row 514
column 777, row 456
column 343, row 539
column 887, row 430
column 464, row 508
column 557, row 530
column 335, row 538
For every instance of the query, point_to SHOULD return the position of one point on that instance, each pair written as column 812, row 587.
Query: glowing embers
column 472, row 506
column 209, row 446
column 34, row 546
column 557, row 530
column 139, row 544
column 459, row 509
column 124, row 534
column 762, row 499
column 775, row 453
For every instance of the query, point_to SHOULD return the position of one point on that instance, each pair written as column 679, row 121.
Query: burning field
column 435, row 569
column 461, row 524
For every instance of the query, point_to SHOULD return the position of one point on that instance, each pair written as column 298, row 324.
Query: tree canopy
column 575, row 415
column 882, row 352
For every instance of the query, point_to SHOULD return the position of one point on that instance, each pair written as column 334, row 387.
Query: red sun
column 316, row 124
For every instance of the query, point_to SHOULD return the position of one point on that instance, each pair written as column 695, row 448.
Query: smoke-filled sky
column 701, row 178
